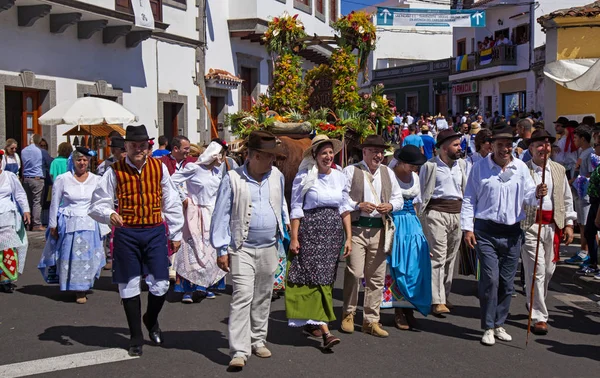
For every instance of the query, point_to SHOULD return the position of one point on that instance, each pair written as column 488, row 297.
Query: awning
column 575, row 74
column 95, row 130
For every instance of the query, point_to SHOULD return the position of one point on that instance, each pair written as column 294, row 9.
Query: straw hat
column 319, row 140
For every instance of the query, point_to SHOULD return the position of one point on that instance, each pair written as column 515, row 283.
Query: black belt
column 34, row 177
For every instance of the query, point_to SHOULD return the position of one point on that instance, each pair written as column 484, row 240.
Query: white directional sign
column 430, row 17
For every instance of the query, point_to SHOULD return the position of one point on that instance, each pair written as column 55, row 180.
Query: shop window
column 461, row 47
column 521, row 34
column 156, row 5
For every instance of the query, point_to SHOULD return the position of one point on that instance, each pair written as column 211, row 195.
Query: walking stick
column 537, row 251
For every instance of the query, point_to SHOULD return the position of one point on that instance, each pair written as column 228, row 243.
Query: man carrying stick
column 544, row 227
column 497, row 189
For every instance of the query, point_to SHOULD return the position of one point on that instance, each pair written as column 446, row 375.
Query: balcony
column 501, row 56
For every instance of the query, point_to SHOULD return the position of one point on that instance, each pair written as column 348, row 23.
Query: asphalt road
column 38, row 321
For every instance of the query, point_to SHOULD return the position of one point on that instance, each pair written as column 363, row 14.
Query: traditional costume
column 247, row 225
column 318, row 201
column 13, row 237
column 442, row 189
column 368, row 257
column 556, row 214
column 144, row 195
column 196, row 261
column 75, row 259
column 492, row 208
column 408, row 284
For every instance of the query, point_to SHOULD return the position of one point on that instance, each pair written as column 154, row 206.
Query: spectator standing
column 428, row 142
column 413, row 138
column 162, row 147
column 36, row 163
column 59, row 165
column 11, row 161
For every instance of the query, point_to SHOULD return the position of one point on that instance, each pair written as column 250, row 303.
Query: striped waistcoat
column 139, row 194
column 557, row 172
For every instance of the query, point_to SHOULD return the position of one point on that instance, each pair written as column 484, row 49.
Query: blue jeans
column 498, row 248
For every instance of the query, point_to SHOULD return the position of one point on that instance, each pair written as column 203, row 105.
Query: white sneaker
column 488, row 337
column 501, row 334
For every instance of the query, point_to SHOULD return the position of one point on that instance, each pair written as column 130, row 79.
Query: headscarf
column 212, row 153
column 570, row 142
column 309, row 180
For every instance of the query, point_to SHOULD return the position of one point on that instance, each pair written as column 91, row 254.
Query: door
column 249, row 77
column 412, row 103
column 13, row 102
column 171, row 119
column 441, row 103
column 217, row 104
column 30, row 114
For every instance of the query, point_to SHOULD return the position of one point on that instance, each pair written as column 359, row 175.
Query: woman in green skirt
column 319, row 224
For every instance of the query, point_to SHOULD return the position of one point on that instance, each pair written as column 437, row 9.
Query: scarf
column 212, row 153
column 311, row 177
column 570, row 144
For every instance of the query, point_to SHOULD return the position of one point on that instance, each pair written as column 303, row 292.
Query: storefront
column 466, row 95
column 515, row 101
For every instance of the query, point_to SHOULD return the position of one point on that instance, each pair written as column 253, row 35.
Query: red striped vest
column 139, row 194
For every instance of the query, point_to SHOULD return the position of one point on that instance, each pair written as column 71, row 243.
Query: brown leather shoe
column 439, row 309
column 374, row 329
column 330, row 341
column 409, row 313
column 312, row 331
column 540, row 328
column 347, row 322
column 400, row 320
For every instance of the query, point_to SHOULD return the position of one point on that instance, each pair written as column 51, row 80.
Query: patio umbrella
column 87, row 111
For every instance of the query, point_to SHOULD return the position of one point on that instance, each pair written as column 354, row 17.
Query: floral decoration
column 345, row 75
column 286, row 92
column 376, row 107
column 357, row 32
column 283, row 34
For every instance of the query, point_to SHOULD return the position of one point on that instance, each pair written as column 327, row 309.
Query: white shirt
column 568, row 159
column 410, row 119
column 73, row 199
column 497, row 195
column 327, row 191
column 447, row 181
column 570, row 214
column 411, row 189
column 103, row 205
column 11, row 188
column 442, row 124
column 395, row 199
column 202, row 183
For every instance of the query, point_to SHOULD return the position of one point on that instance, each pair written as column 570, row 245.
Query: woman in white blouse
column 13, row 238
column 196, row 261
column 74, row 255
column 319, row 223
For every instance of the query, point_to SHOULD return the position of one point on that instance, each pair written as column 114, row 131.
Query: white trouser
column 545, row 268
column 133, row 287
column 252, row 275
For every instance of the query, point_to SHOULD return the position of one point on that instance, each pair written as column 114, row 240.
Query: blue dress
column 408, row 283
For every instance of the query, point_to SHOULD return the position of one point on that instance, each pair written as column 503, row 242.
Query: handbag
column 389, row 228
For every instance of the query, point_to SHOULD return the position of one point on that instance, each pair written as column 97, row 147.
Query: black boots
column 155, row 304
column 133, row 311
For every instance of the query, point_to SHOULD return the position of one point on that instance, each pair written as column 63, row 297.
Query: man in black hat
column 493, row 206
column 246, row 228
column 373, row 194
column 443, row 181
column 556, row 215
column 143, row 188
column 117, row 150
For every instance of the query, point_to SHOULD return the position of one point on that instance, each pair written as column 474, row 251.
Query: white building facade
column 511, row 80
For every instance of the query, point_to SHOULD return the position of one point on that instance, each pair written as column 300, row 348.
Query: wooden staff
column 537, row 251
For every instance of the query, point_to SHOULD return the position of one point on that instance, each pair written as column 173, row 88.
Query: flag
column 485, row 57
column 461, row 63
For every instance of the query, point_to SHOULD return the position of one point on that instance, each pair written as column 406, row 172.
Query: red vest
column 139, row 194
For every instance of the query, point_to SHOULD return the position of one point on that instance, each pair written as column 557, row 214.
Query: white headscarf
column 308, row 181
column 212, row 153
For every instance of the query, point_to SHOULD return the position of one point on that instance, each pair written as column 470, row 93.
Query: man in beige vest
column 373, row 194
column 443, row 181
column 556, row 214
column 246, row 228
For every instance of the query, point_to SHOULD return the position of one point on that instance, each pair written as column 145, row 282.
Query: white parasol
column 87, row 111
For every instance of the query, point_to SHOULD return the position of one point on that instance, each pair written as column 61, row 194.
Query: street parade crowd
column 479, row 190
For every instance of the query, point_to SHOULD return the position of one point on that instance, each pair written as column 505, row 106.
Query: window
column 461, row 47
column 333, row 10
column 521, row 34
column 503, row 33
column 320, row 6
column 412, row 102
column 125, row 7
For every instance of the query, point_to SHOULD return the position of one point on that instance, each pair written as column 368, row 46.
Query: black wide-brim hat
column 540, row 135
column 410, row 154
column 502, row 131
column 137, row 134
column 265, row 141
column 117, row 142
column 373, row 141
column 446, row 135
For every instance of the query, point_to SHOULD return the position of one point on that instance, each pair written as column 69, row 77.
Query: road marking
column 70, row 361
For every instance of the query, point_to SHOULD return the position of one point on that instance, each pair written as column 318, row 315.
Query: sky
column 350, row 5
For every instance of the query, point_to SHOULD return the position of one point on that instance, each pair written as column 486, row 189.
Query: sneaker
column 597, row 276
column 210, row 295
column 577, row 258
column 488, row 337
column 584, row 265
column 501, row 334
column 187, row 298
column 587, row 271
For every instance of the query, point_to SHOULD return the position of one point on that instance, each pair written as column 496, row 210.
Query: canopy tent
column 575, row 74
column 87, row 111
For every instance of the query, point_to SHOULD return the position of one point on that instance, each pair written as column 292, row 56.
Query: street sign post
column 430, row 17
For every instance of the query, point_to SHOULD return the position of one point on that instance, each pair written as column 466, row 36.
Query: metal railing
column 503, row 55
